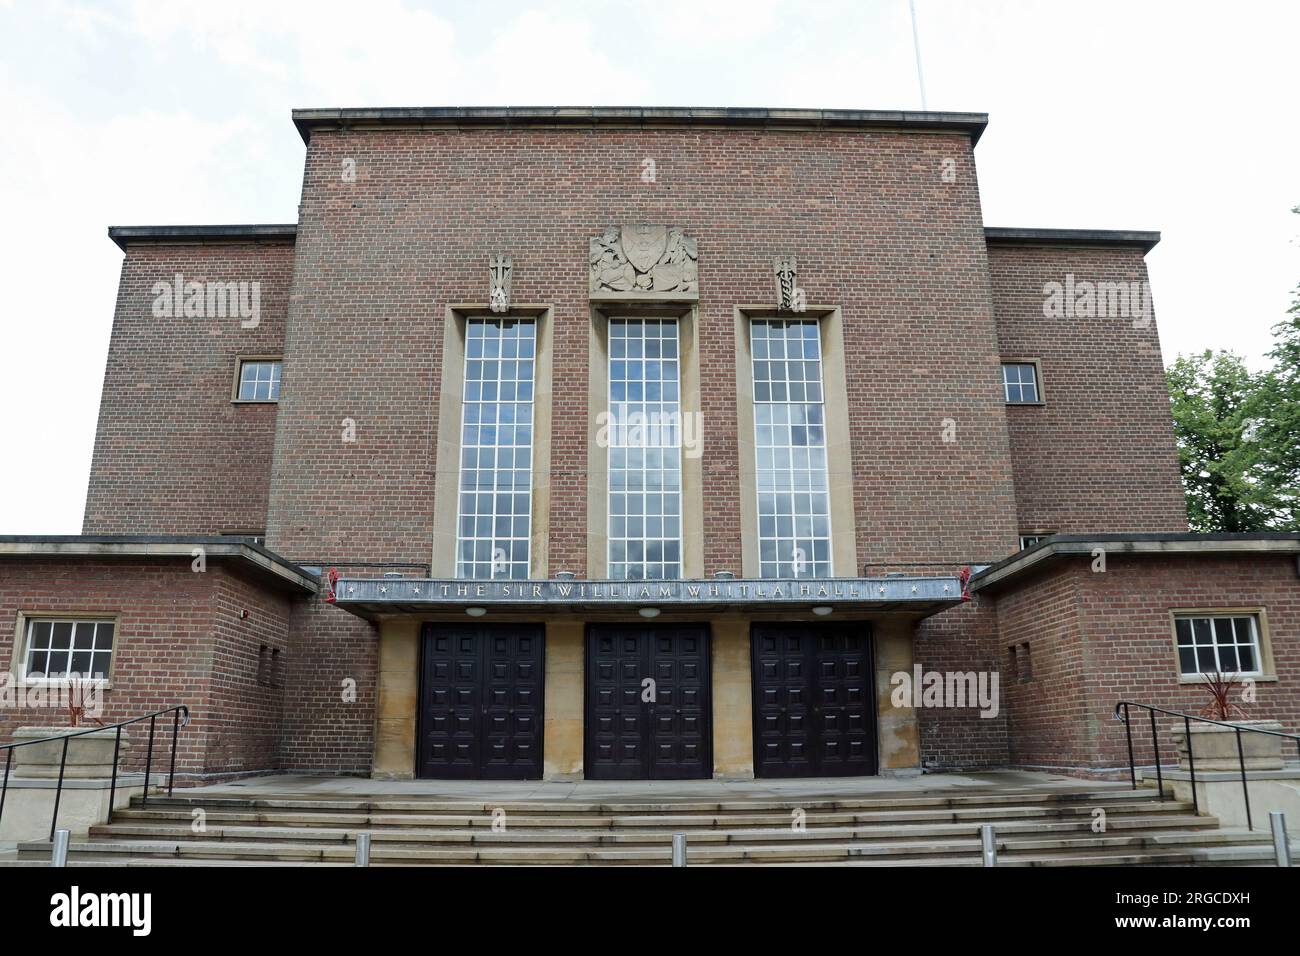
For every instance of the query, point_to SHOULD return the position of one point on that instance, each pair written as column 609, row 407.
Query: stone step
column 1243, row 846
column 901, row 800
column 482, row 836
column 755, row 818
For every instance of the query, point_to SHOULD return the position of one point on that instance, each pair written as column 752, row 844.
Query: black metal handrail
column 180, row 717
column 1122, row 715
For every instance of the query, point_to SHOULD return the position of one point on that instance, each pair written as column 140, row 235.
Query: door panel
column 481, row 702
column 667, row 738
column 814, row 700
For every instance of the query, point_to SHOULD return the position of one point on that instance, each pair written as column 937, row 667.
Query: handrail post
column 148, row 760
column 679, row 849
column 989, row 844
column 112, row 789
column 363, row 849
column 1128, row 733
column 1245, row 787
column 1155, row 749
column 1281, row 846
column 176, row 729
column 58, row 791
column 1191, row 762
column 59, row 847
column 4, row 791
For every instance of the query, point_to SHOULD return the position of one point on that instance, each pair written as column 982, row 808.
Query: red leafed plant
column 1221, row 705
column 77, row 701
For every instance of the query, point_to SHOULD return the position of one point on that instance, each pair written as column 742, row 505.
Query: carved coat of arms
column 644, row 258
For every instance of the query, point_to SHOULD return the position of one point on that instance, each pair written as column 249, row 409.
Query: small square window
column 259, row 380
column 1020, row 383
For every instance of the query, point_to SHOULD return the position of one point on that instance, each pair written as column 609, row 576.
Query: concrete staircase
column 1035, row 827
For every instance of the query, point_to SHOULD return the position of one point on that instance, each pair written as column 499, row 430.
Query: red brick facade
column 886, row 225
column 173, row 454
column 1099, row 454
column 1096, row 638
column 182, row 637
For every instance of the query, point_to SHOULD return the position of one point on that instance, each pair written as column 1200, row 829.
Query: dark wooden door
column 662, row 730
column 814, row 700
column 481, row 702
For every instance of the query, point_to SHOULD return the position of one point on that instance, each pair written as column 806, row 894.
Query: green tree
column 1272, row 452
column 1209, row 395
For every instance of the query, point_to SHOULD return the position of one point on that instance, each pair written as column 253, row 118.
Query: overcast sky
column 1178, row 116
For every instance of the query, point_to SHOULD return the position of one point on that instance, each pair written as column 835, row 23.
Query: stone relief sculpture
column 644, row 258
column 499, row 270
column 786, row 269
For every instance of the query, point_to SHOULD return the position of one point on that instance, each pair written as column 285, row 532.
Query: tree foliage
column 1238, row 435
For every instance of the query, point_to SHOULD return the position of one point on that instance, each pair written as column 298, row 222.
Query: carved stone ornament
column 786, row 269
column 644, row 261
column 499, row 269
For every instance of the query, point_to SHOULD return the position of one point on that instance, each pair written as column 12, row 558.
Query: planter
column 1215, row 747
column 90, row 756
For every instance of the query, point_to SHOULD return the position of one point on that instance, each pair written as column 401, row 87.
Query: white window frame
column 790, row 450
column 616, row 434
column 275, row 380
column 458, row 565
column 1258, row 643
column 22, row 643
column 1036, row 367
column 1037, row 536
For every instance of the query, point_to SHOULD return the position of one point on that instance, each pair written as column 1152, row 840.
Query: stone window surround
column 1268, row 672
column 18, row 654
column 839, row 453
column 451, row 394
column 240, row 360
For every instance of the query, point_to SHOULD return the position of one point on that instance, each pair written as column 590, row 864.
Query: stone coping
column 586, row 117
column 266, row 563
column 82, row 783
column 1015, row 236
column 1059, row 546
column 1222, row 776
column 270, row 232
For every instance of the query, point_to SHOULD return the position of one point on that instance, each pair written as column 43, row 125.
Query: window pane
column 1187, row 660
column 790, row 449
column 494, row 522
column 1019, row 382
column 644, row 436
column 61, row 636
column 1183, row 628
column 259, row 381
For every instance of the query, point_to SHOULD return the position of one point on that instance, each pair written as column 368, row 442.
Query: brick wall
column 330, row 691
column 962, row 640
column 173, row 454
column 379, row 259
column 180, row 640
column 1047, row 714
column 1098, row 638
column 1099, row 455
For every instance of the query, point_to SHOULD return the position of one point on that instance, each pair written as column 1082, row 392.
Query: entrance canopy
column 373, row 597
